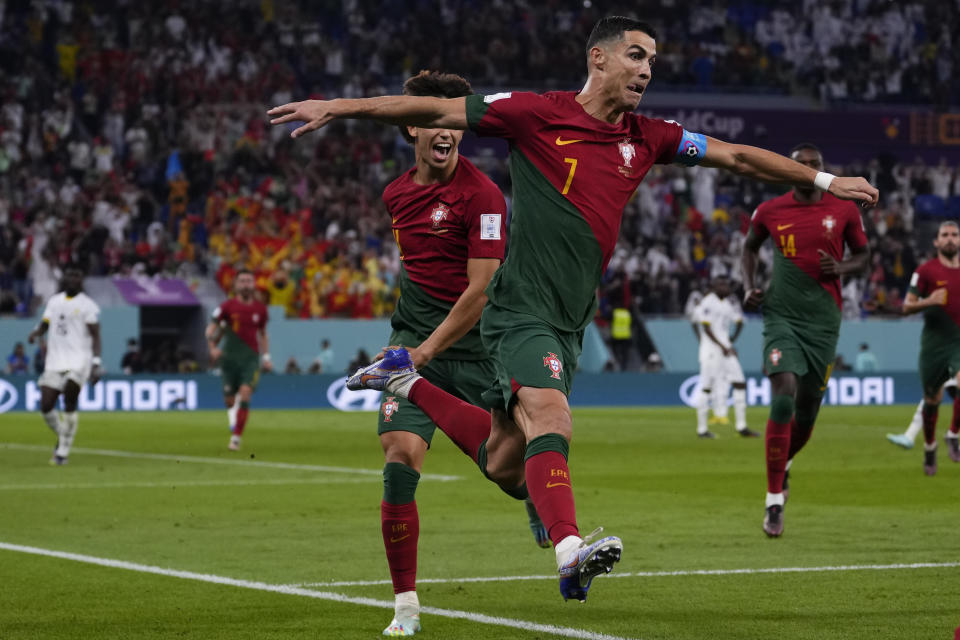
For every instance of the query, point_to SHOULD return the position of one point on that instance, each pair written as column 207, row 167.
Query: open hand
column 939, row 296
column 753, row 299
column 828, row 264
column 315, row 113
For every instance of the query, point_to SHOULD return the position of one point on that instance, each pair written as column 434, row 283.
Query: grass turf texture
column 679, row 503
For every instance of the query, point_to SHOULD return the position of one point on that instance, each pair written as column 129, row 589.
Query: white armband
column 265, row 357
column 823, row 180
column 96, row 361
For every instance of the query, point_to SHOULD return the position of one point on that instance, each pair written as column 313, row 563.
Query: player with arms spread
column 801, row 311
column 449, row 221
column 241, row 323
column 73, row 357
column 935, row 290
column 576, row 159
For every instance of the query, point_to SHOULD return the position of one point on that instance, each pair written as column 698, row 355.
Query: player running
column 241, row 323
column 801, row 311
column 576, row 159
column 907, row 438
column 930, row 292
column 73, row 357
column 449, row 221
column 719, row 365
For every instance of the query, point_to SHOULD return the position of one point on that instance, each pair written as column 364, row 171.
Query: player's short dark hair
column 434, row 84
column 612, row 28
column 74, row 266
column 806, row 146
column 948, row 223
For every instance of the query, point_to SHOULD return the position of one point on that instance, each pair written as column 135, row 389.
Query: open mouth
column 441, row 151
column 635, row 88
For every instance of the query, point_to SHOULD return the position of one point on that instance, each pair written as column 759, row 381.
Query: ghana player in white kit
column 719, row 366
column 72, row 321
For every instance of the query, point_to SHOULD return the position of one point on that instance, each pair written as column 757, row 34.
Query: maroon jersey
column 242, row 321
column 438, row 227
column 799, row 232
column 572, row 176
column 941, row 324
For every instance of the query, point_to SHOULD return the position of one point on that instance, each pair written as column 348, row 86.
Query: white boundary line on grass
column 568, row 632
column 227, row 461
column 656, row 574
column 176, row 484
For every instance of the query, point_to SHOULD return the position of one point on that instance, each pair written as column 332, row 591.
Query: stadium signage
column 8, row 396
column 127, row 395
column 342, row 398
column 708, row 122
column 843, row 391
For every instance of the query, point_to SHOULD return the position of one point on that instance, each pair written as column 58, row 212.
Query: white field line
column 176, row 484
column 658, row 574
column 227, row 461
column 567, row 632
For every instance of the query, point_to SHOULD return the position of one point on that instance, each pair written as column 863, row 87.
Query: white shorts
column 58, row 379
column 717, row 368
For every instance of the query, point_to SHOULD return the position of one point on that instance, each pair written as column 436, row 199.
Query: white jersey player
column 719, row 366
column 72, row 321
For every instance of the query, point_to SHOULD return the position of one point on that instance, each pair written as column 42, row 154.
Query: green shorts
column 528, row 353
column 807, row 354
column 466, row 379
column 936, row 367
column 236, row 372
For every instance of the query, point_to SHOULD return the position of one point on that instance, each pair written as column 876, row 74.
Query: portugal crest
column 439, row 214
column 775, row 356
column 390, row 406
column 627, row 151
column 829, row 223
column 553, row 364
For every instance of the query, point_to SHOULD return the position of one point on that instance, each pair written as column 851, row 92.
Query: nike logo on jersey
column 941, row 282
column 781, row 227
column 551, row 485
column 560, row 142
column 400, row 538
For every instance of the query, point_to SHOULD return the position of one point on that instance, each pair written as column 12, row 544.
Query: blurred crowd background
column 133, row 136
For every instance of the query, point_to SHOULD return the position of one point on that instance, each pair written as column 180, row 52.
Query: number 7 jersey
column 572, row 176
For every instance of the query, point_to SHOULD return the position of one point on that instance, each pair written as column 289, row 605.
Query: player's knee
column 399, row 483
column 46, row 406
column 551, row 417
column 782, row 408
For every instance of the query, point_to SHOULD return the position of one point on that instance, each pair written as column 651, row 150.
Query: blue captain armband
column 693, row 146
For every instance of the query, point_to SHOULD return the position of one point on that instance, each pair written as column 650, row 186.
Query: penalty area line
column 656, row 574
column 568, row 632
column 113, row 453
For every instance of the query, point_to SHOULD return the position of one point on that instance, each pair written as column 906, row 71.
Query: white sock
column 916, row 424
column 564, row 547
column 930, row 447
column 53, row 421
column 232, row 413
column 720, row 406
column 740, row 408
column 406, row 605
column 401, row 385
column 703, row 410
column 789, row 464
column 67, row 433
column 774, row 498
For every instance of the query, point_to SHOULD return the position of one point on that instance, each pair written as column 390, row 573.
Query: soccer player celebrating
column 935, row 290
column 801, row 310
column 73, row 357
column 241, row 323
column 449, row 221
column 576, row 159
column 719, row 364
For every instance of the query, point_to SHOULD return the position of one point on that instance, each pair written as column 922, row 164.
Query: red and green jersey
column 798, row 290
column 941, row 324
column 241, row 321
column 438, row 227
column 572, row 176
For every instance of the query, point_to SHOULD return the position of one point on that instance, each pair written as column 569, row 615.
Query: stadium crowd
column 133, row 139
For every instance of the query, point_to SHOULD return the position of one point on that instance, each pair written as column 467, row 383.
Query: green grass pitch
column 679, row 503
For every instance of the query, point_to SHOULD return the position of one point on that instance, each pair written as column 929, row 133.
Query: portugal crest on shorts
column 775, row 356
column 553, row 364
column 439, row 214
column 390, row 407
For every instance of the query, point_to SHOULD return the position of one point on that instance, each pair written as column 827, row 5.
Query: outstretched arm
column 413, row 111
column 753, row 296
column 760, row 164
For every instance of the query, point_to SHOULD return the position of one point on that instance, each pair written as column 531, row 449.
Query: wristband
column 96, row 361
column 823, row 180
column 265, row 357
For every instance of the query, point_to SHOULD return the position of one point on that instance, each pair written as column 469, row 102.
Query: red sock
column 242, row 414
column 929, row 414
column 955, row 422
column 466, row 425
column 548, row 481
column 778, row 448
column 798, row 437
column 400, row 525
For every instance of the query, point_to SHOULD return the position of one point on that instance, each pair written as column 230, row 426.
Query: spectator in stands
column 323, row 363
column 132, row 361
column 292, row 367
column 17, row 362
column 360, row 360
column 866, row 362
